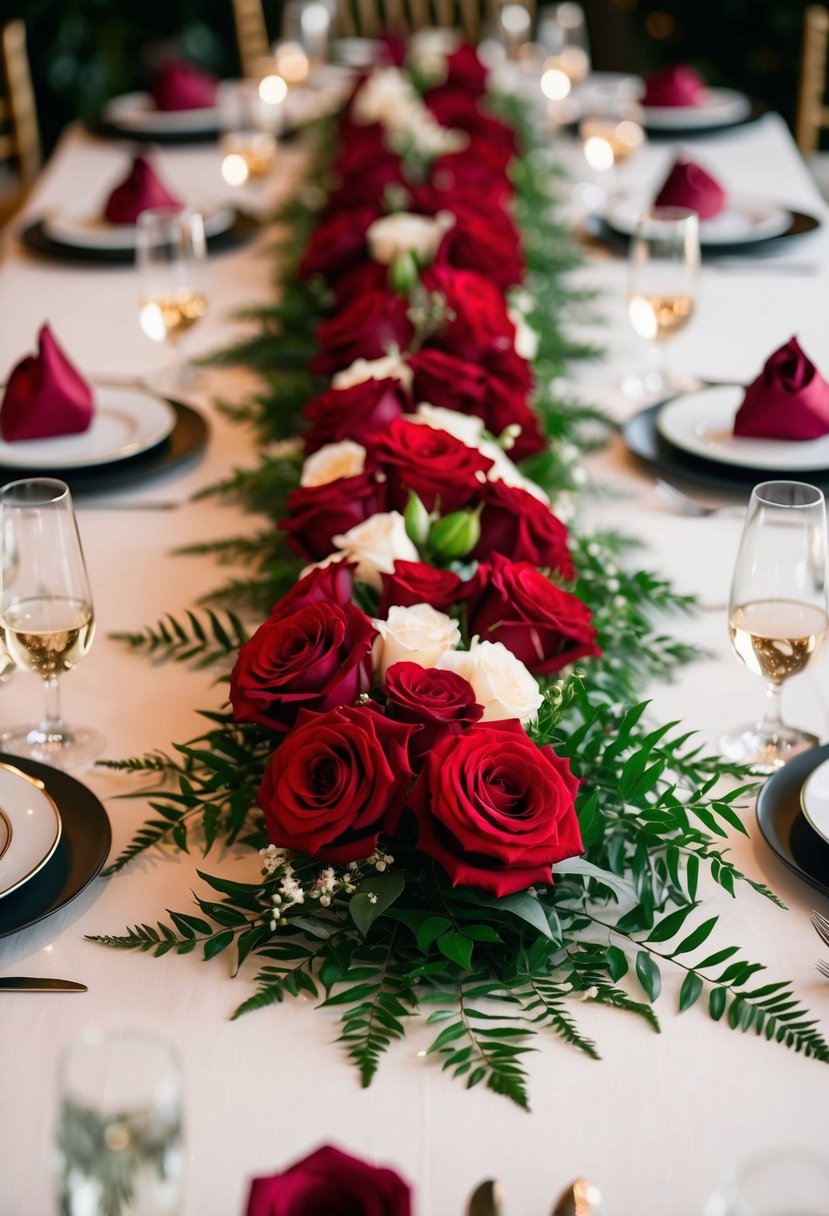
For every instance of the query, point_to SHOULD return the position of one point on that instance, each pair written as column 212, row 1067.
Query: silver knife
column 26, row 983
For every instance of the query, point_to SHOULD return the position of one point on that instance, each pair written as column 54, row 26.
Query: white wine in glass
column 171, row 257
column 46, row 611
column 778, row 610
column 662, row 289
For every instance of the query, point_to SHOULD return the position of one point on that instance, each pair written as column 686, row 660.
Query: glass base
column 68, row 748
column 766, row 750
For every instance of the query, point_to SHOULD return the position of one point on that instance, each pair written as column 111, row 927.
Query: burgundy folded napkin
column 45, row 396
column 675, row 85
column 788, row 400
column 179, row 85
column 140, row 190
column 687, row 185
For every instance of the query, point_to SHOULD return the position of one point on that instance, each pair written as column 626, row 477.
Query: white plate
column 137, row 112
column 84, row 227
column 127, row 421
column 742, row 221
column 702, row 423
column 814, row 800
column 32, row 827
column 716, row 108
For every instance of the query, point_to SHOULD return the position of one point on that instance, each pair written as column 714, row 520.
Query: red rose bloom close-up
column 439, row 703
column 331, row 584
column 477, row 242
column 329, row 1182
column 338, row 243
column 516, row 524
column 366, row 329
column 333, row 781
column 352, row 413
column 494, row 810
column 316, row 514
column 543, row 625
column 416, row 583
column 440, row 469
column 479, row 325
column 317, row 658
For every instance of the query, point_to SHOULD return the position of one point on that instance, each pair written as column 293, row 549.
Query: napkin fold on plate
column 140, row 190
column 675, row 85
column 45, row 395
column 180, row 85
column 788, row 400
column 689, row 185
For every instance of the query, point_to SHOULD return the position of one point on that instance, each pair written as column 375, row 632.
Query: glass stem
column 772, row 718
column 52, row 724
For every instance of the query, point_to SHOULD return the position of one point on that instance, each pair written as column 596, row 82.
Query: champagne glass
column 778, row 610
column 171, row 258
column 562, row 33
column 118, row 1135
column 663, row 269
column 611, row 132
column 46, row 611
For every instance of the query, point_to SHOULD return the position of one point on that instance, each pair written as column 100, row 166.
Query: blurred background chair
column 251, row 34
column 812, row 111
column 367, row 18
column 20, row 156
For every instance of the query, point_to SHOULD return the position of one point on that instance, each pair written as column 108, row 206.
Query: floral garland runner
column 453, row 815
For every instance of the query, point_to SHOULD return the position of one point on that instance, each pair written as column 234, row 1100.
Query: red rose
column 471, row 175
column 488, row 244
column 543, row 625
column 332, row 584
column 317, row 658
column 364, row 168
column 333, row 781
column 332, row 1182
column 353, row 413
column 479, row 326
column 338, row 243
column 495, row 810
column 368, row 276
column 417, row 583
column 491, row 138
column 444, row 194
column 513, row 522
column 316, row 514
column 441, row 703
column 366, row 329
column 433, row 463
column 448, row 381
column 466, row 71
column 506, row 405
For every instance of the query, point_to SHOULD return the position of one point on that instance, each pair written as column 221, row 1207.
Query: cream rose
column 419, row 634
column 388, row 367
column 526, row 339
column 502, row 683
column 405, row 232
column 466, row 427
column 376, row 544
column 428, row 51
column 333, row 461
column 384, row 97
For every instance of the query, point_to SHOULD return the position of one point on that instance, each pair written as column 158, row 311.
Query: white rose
column 386, row 94
column 418, row 634
column 428, row 51
column 428, row 136
column 388, row 367
column 376, row 544
column 526, row 339
column 466, row 427
column 405, row 232
column 333, row 461
column 501, row 682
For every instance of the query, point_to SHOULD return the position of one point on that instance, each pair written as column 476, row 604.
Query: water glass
column 171, row 260
column 119, row 1129
column 789, row 1182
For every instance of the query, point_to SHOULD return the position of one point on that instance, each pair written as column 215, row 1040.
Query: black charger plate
column 784, row 826
column 664, row 135
column 36, row 238
column 85, row 841
column 642, row 437
column 183, row 445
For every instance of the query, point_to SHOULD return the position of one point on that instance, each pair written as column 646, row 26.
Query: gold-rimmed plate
column 33, row 828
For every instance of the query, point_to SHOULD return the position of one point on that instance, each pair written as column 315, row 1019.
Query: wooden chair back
column 19, row 133
column 368, row 18
column 812, row 111
column 251, row 34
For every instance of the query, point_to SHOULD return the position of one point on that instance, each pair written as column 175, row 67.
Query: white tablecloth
column 659, row 1120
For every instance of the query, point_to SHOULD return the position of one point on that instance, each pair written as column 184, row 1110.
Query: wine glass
column 46, row 611
column 611, row 132
column 171, row 258
column 561, row 32
column 777, row 613
column 662, row 281
column 119, row 1127
column 783, row 1181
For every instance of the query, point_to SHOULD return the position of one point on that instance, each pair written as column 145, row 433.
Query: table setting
column 423, row 595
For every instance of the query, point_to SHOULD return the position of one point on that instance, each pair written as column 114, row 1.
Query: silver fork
column 821, row 926
column 686, row 505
